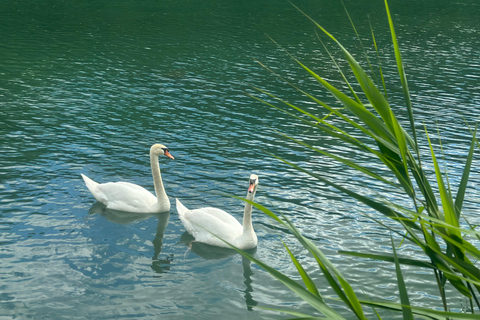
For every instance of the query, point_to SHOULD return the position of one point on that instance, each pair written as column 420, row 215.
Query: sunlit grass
column 431, row 222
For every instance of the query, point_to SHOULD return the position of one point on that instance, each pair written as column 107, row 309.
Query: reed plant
column 433, row 220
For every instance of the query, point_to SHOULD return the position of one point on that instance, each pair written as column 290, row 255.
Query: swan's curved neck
column 157, row 178
column 247, row 214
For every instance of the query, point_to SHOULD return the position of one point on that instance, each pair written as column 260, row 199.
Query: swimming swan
column 125, row 196
column 201, row 223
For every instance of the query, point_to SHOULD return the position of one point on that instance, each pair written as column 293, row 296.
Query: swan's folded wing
column 206, row 227
column 126, row 196
column 222, row 215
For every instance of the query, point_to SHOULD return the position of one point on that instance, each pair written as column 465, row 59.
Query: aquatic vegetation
column 433, row 220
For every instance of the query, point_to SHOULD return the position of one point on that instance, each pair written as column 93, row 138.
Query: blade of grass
column 430, row 313
column 388, row 258
column 402, row 145
column 403, row 79
column 360, row 42
column 293, row 313
column 354, row 94
column 466, row 172
column 305, row 277
column 406, row 309
column 459, row 242
column 378, row 61
column 326, row 266
column 345, row 136
column 449, row 212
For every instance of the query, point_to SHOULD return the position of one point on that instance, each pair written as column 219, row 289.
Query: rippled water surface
column 89, row 87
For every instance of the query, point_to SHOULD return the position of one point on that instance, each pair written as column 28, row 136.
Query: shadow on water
column 207, row 251
column 122, row 217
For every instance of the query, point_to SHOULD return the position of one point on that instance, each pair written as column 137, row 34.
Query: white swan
column 206, row 224
column 125, row 196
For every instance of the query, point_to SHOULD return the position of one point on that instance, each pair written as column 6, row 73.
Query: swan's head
column 253, row 183
column 159, row 149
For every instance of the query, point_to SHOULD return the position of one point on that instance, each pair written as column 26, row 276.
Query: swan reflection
column 212, row 252
column 161, row 265
column 122, row 217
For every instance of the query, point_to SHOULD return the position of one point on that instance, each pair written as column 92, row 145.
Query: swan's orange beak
column 251, row 187
column 167, row 154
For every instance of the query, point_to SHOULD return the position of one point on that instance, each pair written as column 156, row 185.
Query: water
column 88, row 88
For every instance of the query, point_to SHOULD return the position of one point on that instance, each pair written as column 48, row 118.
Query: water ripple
column 88, row 89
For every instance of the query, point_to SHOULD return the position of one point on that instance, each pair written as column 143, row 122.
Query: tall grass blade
column 300, row 315
column 403, row 78
column 354, row 94
column 466, row 173
column 406, row 309
column 389, row 258
column 352, row 300
column 447, row 203
column 305, row 277
column 460, row 243
column 402, row 145
column 378, row 61
column 423, row 312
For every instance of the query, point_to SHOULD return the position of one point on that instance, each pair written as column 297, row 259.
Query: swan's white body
column 125, row 196
column 207, row 225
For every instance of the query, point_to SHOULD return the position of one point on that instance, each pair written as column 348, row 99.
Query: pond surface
column 89, row 87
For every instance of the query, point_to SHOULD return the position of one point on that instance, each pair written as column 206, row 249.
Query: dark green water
column 88, row 87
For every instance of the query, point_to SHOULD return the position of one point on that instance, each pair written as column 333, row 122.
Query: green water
column 87, row 87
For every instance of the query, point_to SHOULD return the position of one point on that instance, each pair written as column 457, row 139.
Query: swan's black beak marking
column 251, row 187
column 167, row 153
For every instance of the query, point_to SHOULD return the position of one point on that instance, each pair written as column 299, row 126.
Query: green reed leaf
column 403, row 78
column 447, row 202
column 329, row 270
column 458, row 242
column 305, row 277
column 402, row 145
column 378, row 61
column 406, row 310
column 389, row 258
column 466, row 173
column 423, row 312
column 293, row 313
